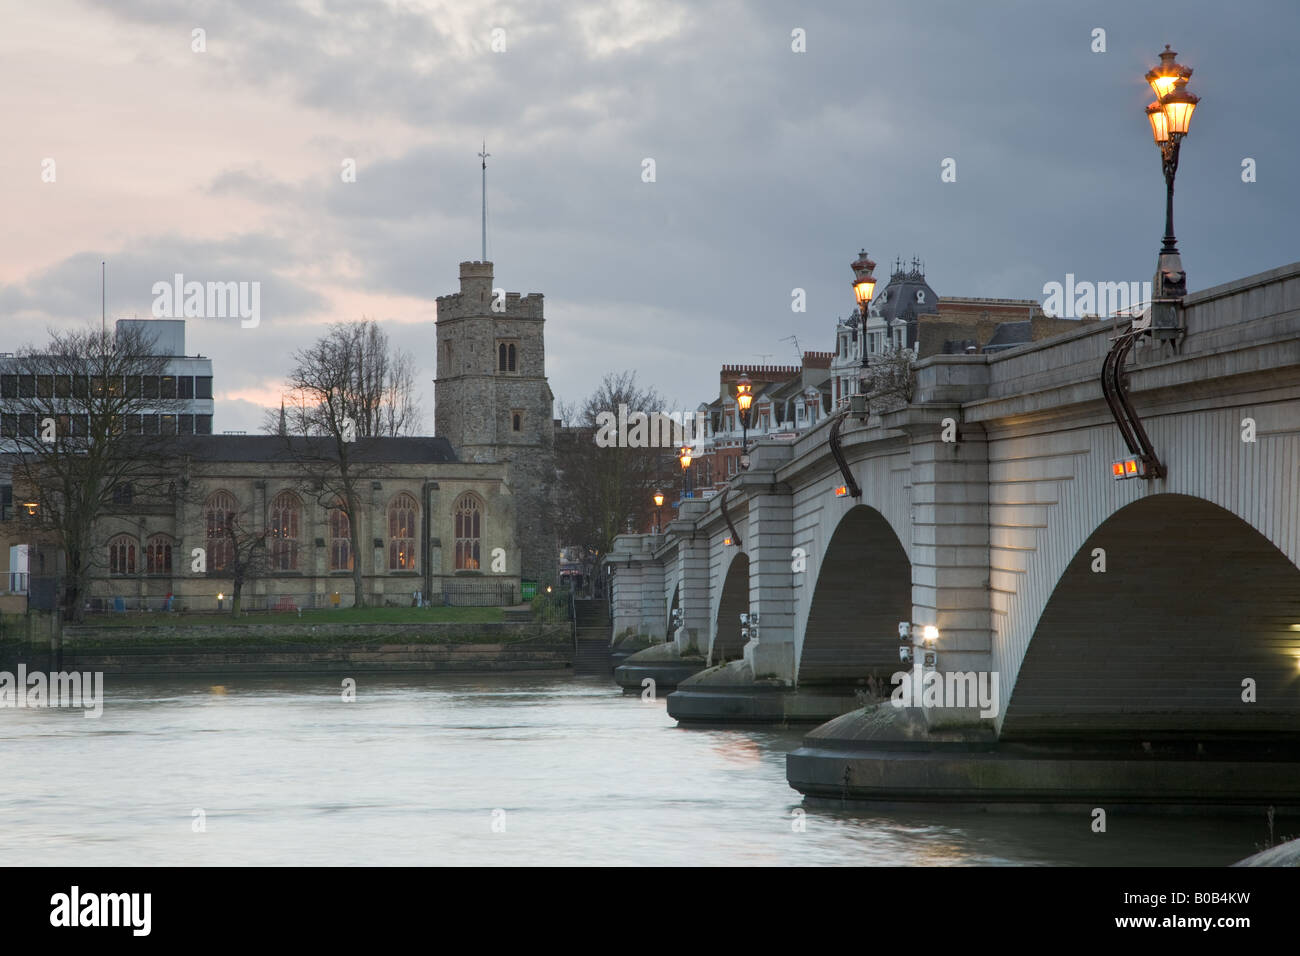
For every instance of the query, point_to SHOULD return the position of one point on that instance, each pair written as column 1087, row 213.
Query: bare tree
column 248, row 557
column 890, row 381
column 81, row 421
column 346, row 388
column 602, row 489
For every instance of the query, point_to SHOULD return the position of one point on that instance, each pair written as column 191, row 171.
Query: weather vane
column 483, row 156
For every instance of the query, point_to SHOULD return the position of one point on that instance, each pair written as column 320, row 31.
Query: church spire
column 483, row 156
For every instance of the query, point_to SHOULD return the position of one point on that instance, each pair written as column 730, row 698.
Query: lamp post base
column 1170, row 281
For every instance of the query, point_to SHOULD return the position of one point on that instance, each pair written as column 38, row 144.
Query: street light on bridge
column 744, row 401
column 684, row 456
column 864, row 287
column 659, row 503
column 1170, row 117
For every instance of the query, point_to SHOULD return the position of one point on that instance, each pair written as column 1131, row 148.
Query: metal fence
column 479, row 592
column 135, row 603
column 44, row 593
column 554, row 607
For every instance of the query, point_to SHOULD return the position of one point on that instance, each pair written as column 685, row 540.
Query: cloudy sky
column 772, row 167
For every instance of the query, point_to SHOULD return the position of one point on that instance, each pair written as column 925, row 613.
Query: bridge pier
column 950, row 532
column 884, row 754
column 669, row 658
column 760, row 687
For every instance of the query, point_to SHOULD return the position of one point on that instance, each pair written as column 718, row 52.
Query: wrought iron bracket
column 838, row 454
column 726, row 516
column 1114, row 387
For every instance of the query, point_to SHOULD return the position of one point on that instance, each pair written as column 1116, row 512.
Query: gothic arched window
column 402, row 514
column 340, row 539
column 469, row 524
column 121, row 555
column 219, row 522
column 158, row 555
column 286, row 518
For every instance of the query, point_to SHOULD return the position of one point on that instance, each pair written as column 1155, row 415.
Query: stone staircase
column 591, row 644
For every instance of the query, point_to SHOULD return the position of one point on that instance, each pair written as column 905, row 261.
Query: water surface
column 418, row 770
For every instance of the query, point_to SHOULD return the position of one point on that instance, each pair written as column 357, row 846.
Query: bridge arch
column 863, row 589
column 725, row 643
column 1195, row 601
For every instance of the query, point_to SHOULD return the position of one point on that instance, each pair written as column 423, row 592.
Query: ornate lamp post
column 659, row 503
column 864, row 286
column 744, row 401
column 1170, row 116
column 684, row 456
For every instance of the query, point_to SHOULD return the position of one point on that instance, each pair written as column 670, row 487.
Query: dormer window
column 920, row 295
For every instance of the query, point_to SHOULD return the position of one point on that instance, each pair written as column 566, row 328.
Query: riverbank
column 339, row 643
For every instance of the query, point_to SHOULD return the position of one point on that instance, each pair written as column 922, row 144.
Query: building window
column 469, row 522
column 185, row 386
column 517, row 421
column 123, row 494
column 507, row 357
column 158, row 555
column 203, row 387
column 286, row 516
column 340, row 539
column 402, row 512
column 219, row 524
column 121, row 555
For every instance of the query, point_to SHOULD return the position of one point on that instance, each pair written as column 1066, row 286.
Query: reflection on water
column 410, row 773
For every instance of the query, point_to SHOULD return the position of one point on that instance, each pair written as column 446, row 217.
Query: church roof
column 272, row 448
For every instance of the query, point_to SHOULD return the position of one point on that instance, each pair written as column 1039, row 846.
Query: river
column 499, row 770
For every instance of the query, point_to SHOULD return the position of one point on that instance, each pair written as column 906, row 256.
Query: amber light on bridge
column 1127, row 468
column 842, row 491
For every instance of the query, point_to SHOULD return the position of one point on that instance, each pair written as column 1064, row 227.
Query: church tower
column 493, row 403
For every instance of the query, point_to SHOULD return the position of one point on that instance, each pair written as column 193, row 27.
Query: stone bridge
column 1133, row 609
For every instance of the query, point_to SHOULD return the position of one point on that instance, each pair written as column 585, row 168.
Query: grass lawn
column 365, row 615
